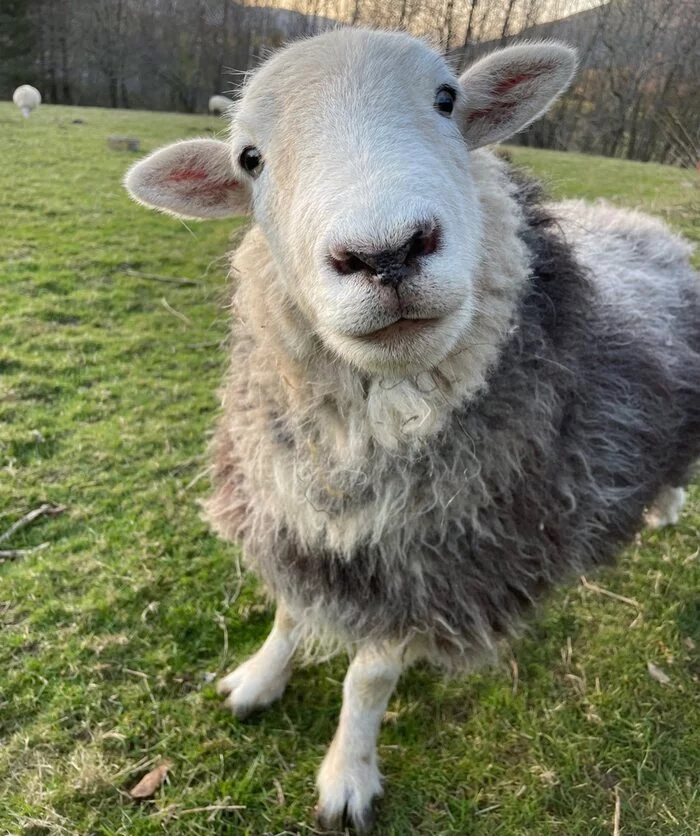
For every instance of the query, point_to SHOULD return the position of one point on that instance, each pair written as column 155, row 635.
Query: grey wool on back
column 591, row 408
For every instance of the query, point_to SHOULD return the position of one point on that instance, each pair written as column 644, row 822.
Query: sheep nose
column 388, row 267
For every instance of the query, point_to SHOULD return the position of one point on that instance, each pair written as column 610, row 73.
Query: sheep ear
column 510, row 88
column 190, row 179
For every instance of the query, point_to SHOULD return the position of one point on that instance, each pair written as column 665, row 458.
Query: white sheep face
column 351, row 149
column 359, row 162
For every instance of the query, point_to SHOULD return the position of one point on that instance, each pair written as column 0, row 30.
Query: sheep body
column 511, row 473
column 27, row 99
column 219, row 105
column 444, row 398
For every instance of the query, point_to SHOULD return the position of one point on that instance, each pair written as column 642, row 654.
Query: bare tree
column 510, row 4
column 636, row 95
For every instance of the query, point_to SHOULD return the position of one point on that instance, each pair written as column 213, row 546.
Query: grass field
column 111, row 631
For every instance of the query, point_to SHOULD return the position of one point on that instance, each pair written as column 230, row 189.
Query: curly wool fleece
column 447, row 505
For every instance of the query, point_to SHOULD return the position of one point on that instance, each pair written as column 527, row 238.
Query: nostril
column 347, row 263
column 390, row 265
column 424, row 242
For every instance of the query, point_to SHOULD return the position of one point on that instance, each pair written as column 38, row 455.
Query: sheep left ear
column 510, row 88
column 190, row 179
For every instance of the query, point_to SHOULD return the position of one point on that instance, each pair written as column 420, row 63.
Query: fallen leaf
column 150, row 782
column 657, row 674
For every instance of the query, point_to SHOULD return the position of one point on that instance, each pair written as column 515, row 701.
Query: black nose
column 389, row 267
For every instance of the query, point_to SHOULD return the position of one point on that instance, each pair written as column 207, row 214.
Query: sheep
column 27, row 99
column 446, row 396
column 219, row 105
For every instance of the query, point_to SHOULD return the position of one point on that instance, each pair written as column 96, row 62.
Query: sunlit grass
column 110, row 633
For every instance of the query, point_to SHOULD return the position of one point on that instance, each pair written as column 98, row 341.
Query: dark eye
column 445, row 100
column 251, row 160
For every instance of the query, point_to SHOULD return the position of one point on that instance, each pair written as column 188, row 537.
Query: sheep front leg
column 349, row 778
column 262, row 679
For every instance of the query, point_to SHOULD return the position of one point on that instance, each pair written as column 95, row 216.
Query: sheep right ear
column 190, row 179
column 511, row 87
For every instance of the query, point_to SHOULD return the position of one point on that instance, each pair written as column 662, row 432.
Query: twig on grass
column 280, row 792
column 169, row 308
column 212, row 808
column 221, row 621
column 616, row 819
column 230, row 598
column 184, row 465
column 601, row 591
column 46, row 508
column 198, row 478
column 485, row 810
column 173, row 811
column 11, row 554
column 692, row 557
column 670, row 814
column 144, row 677
column 167, row 279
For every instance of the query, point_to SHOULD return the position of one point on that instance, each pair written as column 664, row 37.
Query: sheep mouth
column 403, row 327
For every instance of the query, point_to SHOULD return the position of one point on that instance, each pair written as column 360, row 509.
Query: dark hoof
column 360, row 822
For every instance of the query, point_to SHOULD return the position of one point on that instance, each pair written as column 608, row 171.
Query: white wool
column 220, row 104
column 396, row 413
column 27, row 99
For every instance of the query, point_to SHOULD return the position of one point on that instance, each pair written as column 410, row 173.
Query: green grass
column 108, row 633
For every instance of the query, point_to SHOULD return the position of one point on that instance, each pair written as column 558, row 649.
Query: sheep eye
column 445, row 100
column 251, row 160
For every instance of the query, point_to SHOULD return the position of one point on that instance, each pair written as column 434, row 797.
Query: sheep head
column 352, row 152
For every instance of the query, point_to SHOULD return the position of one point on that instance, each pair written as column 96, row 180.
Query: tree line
column 637, row 93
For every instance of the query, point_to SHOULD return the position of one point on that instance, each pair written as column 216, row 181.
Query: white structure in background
column 219, row 105
column 27, row 99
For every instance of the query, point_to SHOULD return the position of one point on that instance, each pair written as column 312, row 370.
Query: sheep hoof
column 251, row 687
column 347, row 794
column 666, row 510
column 340, row 823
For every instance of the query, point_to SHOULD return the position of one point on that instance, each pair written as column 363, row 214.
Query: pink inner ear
column 218, row 187
column 497, row 112
column 514, row 80
column 195, row 177
column 187, row 174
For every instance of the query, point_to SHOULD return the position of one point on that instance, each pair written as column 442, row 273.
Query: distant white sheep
column 444, row 398
column 218, row 105
column 27, row 99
